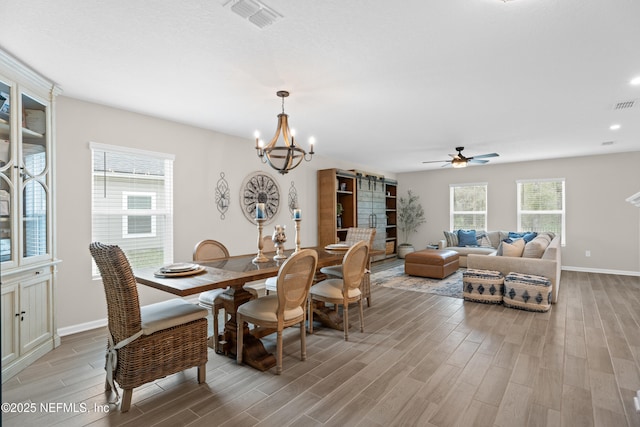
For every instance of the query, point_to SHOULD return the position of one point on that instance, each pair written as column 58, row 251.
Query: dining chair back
column 354, row 235
column 346, row 290
column 211, row 250
column 287, row 308
column 150, row 342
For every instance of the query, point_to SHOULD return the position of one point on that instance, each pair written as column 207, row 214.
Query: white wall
column 597, row 217
column 200, row 156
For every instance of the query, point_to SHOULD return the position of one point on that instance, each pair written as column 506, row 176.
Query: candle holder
column 260, row 256
column 297, row 221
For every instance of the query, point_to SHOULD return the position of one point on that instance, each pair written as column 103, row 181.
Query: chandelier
column 285, row 157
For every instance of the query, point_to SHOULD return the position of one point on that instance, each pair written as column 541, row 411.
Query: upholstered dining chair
column 211, row 250
column 343, row 291
column 287, row 308
column 150, row 342
column 354, row 235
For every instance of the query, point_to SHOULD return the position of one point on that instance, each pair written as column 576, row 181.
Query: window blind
column 132, row 203
column 468, row 206
column 541, row 206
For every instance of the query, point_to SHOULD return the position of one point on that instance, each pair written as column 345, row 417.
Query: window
column 541, row 206
column 132, row 203
column 468, row 206
column 139, row 222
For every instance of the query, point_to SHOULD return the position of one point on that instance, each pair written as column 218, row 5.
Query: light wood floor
column 423, row 360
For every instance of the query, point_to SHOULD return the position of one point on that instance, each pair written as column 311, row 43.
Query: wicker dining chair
column 354, row 235
column 211, row 250
column 343, row 291
column 287, row 308
column 150, row 342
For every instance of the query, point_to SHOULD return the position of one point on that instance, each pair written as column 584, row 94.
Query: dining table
column 232, row 273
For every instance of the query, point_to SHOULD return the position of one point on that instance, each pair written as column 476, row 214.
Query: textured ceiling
column 385, row 84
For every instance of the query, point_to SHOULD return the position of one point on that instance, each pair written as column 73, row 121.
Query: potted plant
column 339, row 210
column 410, row 216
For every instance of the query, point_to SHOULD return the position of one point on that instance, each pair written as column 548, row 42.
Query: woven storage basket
column 484, row 286
column 527, row 292
column 389, row 248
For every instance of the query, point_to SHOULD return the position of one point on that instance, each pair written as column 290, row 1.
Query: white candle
column 297, row 214
column 260, row 213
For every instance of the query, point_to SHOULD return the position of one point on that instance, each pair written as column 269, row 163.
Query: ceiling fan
column 460, row 161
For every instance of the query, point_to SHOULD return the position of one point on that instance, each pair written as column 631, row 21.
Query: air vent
column 608, row 142
column 255, row 11
column 624, row 105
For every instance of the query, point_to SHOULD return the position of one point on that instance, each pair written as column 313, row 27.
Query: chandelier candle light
column 288, row 156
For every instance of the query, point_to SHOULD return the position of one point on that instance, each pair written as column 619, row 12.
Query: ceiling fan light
column 458, row 163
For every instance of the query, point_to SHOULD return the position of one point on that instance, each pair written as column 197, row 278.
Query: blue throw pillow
column 526, row 235
column 467, row 238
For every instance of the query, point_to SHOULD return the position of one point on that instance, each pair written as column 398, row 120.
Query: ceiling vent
column 255, row 11
column 624, row 105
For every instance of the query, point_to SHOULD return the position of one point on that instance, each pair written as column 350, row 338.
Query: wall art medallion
column 293, row 198
column 259, row 187
column 223, row 196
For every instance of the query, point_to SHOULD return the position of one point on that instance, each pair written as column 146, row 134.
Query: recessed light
column 614, row 127
column 635, row 81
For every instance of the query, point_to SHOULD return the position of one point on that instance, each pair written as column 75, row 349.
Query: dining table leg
column 254, row 354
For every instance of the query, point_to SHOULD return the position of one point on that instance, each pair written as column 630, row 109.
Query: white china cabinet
column 27, row 228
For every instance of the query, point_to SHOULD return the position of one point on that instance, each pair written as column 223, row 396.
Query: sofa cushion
column 536, row 247
column 467, row 238
column 451, row 238
column 514, row 249
column 494, row 238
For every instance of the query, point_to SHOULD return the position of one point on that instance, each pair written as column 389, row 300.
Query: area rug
column 396, row 278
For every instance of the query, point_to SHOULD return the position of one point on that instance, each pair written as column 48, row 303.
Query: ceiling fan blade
column 477, row 161
column 484, row 156
column 437, row 161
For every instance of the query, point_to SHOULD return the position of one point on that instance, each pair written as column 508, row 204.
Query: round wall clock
column 259, row 187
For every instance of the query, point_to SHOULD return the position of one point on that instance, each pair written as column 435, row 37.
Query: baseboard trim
column 601, row 271
column 82, row 327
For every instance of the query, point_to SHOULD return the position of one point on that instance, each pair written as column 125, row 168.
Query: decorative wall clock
column 259, row 187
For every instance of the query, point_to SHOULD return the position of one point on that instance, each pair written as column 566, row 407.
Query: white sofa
column 484, row 256
column 548, row 265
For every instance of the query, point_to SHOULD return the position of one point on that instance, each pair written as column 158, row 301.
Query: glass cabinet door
column 34, row 170
column 6, row 175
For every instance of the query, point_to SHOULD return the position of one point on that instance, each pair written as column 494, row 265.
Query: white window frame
column 562, row 212
column 138, row 212
column 167, row 212
column 452, row 213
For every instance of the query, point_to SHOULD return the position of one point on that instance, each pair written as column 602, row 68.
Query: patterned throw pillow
column 483, row 239
column 451, row 237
